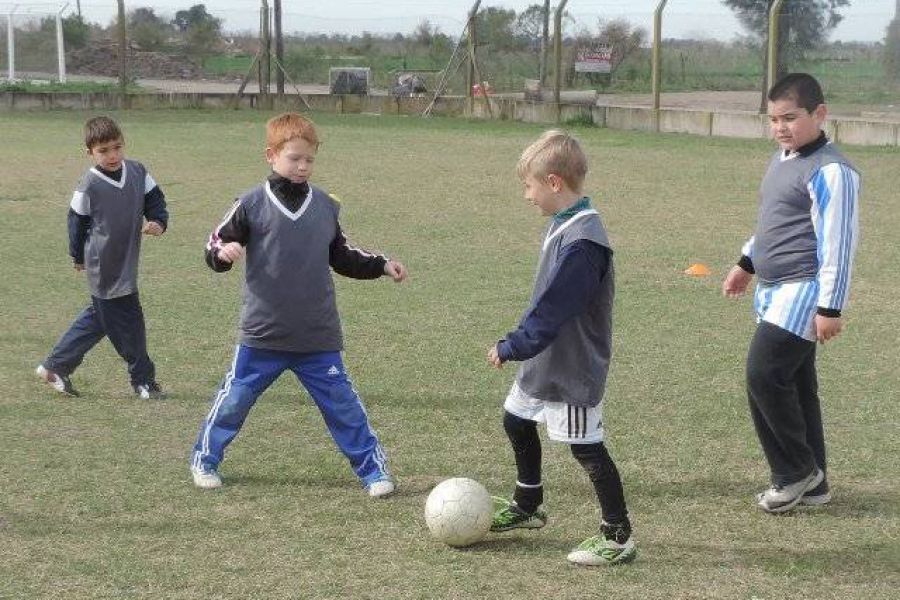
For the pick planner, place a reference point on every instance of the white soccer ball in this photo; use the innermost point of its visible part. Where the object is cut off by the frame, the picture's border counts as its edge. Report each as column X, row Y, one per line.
column 458, row 511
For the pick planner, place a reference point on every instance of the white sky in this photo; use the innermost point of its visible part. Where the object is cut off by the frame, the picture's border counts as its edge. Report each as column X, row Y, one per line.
column 864, row 20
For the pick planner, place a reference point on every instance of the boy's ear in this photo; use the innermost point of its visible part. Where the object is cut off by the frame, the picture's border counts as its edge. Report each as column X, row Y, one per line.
column 820, row 112
column 270, row 155
column 555, row 182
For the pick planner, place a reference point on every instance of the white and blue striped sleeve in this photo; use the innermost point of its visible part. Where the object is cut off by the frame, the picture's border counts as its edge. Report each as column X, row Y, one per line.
column 834, row 190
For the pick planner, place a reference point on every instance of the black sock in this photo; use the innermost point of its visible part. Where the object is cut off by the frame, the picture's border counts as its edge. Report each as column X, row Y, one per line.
column 617, row 532
column 526, row 445
column 528, row 498
column 601, row 470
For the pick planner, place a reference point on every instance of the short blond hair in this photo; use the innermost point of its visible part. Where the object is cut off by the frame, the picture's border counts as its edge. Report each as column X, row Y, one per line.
column 555, row 152
column 288, row 126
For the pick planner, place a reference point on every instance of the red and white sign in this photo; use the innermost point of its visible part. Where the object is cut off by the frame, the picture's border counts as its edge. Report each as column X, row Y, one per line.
column 594, row 60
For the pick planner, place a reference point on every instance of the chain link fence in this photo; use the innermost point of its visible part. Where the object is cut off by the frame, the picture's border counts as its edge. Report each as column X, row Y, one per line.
column 711, row 58
column 34, row 48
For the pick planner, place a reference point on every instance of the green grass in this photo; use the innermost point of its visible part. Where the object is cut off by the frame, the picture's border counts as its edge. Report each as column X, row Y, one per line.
column 227, row 65
column 96, row 500
column 72, row 86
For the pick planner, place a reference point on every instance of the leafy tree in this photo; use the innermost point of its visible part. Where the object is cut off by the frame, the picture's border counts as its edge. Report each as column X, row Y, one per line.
column 529, row 25
column 622, row 37
column 202, row 31
column 76, row 32
column 148, row 30
column 195, row 16
column 495, row 27
column 804, row 24
column 424, row 33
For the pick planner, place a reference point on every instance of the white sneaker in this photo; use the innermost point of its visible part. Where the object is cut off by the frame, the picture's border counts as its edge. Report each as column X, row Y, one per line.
column 381, row 488
column 60, row 383
column 818, row 496
column 596, row 551
column 783, row 498
column 206, row 479
column 816, row 499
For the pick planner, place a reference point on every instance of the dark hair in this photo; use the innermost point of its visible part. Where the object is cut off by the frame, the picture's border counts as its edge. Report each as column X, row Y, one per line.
column 801, row 87
column 99, row 130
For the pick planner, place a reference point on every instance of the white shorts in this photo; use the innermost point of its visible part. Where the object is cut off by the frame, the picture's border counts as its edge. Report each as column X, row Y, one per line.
column 565, row 423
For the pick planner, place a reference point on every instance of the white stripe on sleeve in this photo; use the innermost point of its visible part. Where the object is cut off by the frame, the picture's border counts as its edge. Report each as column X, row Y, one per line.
column 149, row 183
column 834, row 190
column 214, row 241
column 81, row 203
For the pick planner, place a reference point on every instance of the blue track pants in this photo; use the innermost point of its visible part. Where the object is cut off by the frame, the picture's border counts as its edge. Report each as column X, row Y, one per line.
column 253, row 370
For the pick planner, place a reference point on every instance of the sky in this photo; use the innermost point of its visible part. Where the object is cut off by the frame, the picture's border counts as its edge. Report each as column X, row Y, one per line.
column 865, row 20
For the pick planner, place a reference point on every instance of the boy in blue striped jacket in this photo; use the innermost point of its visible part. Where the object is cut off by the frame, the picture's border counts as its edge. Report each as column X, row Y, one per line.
column 802, row 254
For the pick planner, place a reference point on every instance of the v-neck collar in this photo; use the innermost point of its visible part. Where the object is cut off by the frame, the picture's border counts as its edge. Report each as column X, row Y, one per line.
column 120, row 183
column 552, row 233
column 293, row 216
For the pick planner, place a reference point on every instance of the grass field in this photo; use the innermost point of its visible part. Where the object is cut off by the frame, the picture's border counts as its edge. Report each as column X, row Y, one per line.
column 95, row 495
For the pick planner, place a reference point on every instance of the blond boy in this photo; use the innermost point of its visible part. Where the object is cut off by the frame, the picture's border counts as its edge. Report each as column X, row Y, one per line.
column 564, row 344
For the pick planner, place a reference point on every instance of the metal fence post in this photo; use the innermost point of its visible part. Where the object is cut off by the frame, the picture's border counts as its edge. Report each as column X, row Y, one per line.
column 657, row 60
column 557, row 51
column 772, row 71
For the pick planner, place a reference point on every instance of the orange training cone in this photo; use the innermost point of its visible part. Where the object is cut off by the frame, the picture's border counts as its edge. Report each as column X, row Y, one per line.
column 698, row 270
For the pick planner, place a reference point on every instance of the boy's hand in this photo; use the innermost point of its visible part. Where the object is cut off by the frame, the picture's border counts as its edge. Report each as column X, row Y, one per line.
column 153, row 228
column 494, row 357
column 78, row 267
column 827, row 327
column 395, row 270
column 736, row 282
column 231, row 252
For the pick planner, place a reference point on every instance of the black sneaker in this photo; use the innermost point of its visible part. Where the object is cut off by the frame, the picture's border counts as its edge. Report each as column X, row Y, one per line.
column 149, row 391
column 60, row 383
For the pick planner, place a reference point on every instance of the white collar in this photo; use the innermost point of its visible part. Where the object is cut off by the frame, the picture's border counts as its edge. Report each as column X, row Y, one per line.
column 293, row 216
column 120, row 183
column 572, row 219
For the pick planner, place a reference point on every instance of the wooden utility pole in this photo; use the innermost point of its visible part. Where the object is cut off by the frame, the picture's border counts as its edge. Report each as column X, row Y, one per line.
column 773, row 50
column 265, row 42
column 78, row 7
column 545, row 43
column 279, row 48
column 470, row 70
column 123, row 50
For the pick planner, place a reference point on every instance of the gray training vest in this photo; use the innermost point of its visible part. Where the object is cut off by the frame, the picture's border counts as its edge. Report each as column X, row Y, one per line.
column 784, row 246
column 573, row 368
column 288, row 299
column 113, row 245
